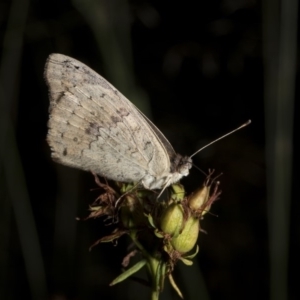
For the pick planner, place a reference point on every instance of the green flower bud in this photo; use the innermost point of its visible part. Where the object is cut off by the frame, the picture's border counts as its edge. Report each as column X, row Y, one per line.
column 198, row 199
column 187, row 239
column 171, row 219
column 178, row 192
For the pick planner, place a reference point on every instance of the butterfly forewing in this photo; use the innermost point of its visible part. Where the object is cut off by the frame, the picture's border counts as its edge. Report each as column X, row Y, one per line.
column 92, row 126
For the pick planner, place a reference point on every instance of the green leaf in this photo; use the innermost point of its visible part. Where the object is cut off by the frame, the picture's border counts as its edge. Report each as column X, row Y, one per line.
column 158, row 234
column 129, row 272
column 193, row 255
column 150, row 220
column 175, row 287
column 186, row 261
column 159, row 276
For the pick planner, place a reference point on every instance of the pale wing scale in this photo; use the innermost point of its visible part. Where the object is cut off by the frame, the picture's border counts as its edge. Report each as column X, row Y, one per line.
column 169, row 148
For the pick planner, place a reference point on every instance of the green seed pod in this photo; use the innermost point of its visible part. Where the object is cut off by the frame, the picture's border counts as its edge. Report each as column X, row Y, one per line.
column 199, row 198
column 171, row 219
column 187, row 239
column 177, row 192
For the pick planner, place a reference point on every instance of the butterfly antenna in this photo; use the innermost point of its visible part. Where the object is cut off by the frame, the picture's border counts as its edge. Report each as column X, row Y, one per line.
column 223, row 136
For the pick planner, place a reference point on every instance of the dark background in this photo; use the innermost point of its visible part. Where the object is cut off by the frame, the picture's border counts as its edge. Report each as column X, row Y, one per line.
column 198, row 69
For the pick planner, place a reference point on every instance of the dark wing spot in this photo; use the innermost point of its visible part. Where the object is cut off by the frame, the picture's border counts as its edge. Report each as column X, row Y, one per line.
column 59, row 97
column 147, row 144
column 93, row 125
column 88, row 131
column 122, row 112
column 116, row 119
column 93, row 129
column 65, row 152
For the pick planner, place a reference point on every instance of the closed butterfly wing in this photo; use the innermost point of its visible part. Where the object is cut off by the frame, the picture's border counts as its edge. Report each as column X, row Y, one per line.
column 92, row 126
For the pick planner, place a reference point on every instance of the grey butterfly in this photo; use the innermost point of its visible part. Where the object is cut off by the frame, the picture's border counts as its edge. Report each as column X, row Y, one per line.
column 93, row 127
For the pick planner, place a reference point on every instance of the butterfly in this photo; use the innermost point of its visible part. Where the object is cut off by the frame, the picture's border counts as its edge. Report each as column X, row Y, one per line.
column 93, row 127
